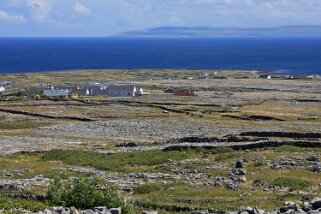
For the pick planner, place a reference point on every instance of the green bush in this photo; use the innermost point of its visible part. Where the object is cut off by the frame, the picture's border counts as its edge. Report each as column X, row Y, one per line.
column 292, row 183
column 146, row 188
column 83, row 193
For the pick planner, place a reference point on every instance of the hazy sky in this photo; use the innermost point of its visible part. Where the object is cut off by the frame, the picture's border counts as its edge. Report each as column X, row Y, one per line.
column 106, row 17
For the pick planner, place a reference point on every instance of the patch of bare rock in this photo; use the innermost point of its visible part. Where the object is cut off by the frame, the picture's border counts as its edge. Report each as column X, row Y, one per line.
column 14, row 145
column 136, row 129
column 298, row 207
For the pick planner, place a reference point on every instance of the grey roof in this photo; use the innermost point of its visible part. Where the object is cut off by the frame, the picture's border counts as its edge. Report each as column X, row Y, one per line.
column 121, row 88
column 89, row 91
column 56, row 92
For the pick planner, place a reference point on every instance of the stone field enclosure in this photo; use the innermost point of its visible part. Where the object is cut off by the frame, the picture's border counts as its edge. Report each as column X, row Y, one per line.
column 243, row 141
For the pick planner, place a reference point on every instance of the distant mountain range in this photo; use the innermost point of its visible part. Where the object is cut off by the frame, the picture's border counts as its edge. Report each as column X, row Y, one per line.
column 194, row 32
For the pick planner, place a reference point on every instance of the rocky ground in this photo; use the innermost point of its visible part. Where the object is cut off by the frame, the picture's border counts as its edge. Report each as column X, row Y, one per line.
column 272, row 125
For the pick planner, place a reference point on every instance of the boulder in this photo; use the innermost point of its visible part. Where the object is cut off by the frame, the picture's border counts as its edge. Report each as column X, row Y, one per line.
column 87, row 212
column 61, row 210
column 115, row 211
column 47, row 211
column 258, row 211
column 314, row 211
column 149, row 212
column 313, row 158
column 300, row 211
column 316, row 168
column 200, row 212
column 239, row 164
column 243, row 212
column 73, row 210
column 239, row 171
column 101, row 210
column 232, row 185
column 316, row 203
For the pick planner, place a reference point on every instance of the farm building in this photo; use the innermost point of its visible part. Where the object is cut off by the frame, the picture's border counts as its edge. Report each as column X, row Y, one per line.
column 169, row 90
column 124, row 91
column 2, row 88
column 62, row 93
column 88, row 91
column 265, row 76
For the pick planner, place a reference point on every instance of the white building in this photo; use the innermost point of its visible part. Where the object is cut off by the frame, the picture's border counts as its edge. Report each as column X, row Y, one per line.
column 122, row 91
column 56, row 92
column 2, row 89
column 125, row 91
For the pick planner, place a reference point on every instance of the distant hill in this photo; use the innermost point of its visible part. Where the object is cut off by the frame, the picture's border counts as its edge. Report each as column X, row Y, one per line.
column 169, row 31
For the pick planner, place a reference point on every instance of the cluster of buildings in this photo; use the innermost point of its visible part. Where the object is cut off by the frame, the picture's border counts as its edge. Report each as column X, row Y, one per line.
column 95, row 89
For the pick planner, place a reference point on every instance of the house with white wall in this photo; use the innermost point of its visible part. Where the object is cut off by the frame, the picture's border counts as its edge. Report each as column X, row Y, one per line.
column 56, row 93
column 2, row 88
column 122, row 91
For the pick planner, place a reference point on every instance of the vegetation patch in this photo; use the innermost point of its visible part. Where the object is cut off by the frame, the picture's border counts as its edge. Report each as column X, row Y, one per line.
column 226, row 156
column 289, row 148
column 21, row 125
column 83, row 193
column 34, row 206
column 259, row 163
column 115, row 162
column 146, row 188
column 293, row 183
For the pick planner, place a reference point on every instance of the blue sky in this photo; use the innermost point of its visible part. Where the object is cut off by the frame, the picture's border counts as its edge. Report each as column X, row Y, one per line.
column 107, row 17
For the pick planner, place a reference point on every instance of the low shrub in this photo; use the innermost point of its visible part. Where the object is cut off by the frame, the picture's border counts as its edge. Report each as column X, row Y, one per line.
column 83, row 193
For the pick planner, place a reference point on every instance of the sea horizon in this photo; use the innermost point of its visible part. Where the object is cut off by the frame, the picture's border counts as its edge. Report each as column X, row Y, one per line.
column 289, row 55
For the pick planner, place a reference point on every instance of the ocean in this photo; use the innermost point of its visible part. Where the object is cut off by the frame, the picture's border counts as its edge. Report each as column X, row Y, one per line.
column 295, row 56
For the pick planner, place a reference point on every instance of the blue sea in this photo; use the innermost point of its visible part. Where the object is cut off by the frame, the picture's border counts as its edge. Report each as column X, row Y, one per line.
column 295, row 56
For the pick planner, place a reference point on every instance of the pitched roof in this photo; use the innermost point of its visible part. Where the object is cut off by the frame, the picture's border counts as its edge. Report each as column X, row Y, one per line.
column 121, row 88
column 89, row 91
column 56, row 92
